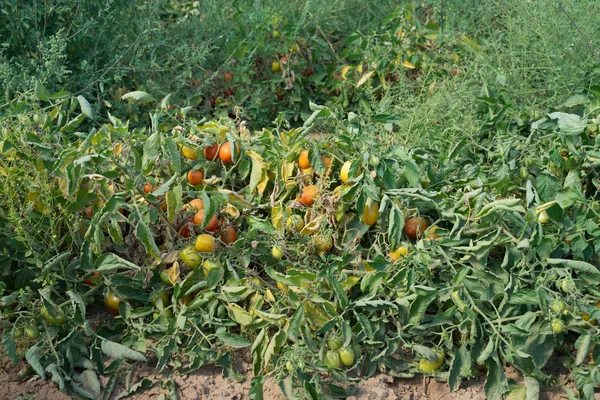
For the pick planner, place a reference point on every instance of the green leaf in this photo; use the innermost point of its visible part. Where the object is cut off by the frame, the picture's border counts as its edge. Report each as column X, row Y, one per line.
column 9, row 345
column 142, row 232
column 461, row 367
column 138, row 96
column 232, row 340
column 112, row 262
column 547, row 186
column 583, row 349
column 118, row 351
column 528, row 297
column 41, row 92
column 314, row 157
column 256, row 388
column 73, row 124
column 293, row 329
column 171, row 152
column 419, row 306
column 395, row 227
column 340, row 294
column 86, row 109
column 496, row 383
column 412, row 172
column 574, row 264
column 151, row 153
column 33, row 358
column 569, row 124
column 90, row 381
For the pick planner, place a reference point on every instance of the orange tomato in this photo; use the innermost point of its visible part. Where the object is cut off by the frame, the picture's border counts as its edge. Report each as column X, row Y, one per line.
column 211, row 152
column 327, row 163
column 195, row 178
column 149, row 188
column 228, row 235
column 371, row 213
column 196, row 205
column 303, row 160
column 309, row 194
column 225, row 153
column 228, row 76
column 92, row 281
column 213, row 224
column 414, row 227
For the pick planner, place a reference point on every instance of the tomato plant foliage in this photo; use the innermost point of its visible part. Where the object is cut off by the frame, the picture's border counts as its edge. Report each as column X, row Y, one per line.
column 480, row 289
column 453, row 260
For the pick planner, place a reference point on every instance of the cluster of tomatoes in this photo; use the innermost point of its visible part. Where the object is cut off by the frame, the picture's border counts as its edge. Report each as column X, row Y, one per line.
column 337, row 355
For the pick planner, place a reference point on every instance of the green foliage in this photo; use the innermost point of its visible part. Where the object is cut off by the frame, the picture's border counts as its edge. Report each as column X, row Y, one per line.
column 441, row 118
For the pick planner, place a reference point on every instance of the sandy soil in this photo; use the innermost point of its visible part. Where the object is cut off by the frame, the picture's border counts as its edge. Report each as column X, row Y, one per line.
column 208, row 383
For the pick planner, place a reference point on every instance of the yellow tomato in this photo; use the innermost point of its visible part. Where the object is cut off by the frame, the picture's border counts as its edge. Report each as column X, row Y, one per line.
column 295, row 222
column 205, row 243
column 324, row 243
column 189, row 153
column 398, row 253
column 190, row 256
column 426, row 365
column 371, row 213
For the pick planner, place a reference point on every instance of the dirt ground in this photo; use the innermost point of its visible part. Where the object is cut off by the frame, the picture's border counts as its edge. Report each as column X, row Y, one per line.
column 208, row 383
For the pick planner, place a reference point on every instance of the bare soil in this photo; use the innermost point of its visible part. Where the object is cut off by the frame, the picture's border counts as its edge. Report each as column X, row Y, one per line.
column 208, row 383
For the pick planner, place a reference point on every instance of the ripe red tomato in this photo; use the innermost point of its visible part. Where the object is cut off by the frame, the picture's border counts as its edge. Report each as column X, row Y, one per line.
column 414, row 227
column 187, row 228
column 225, row 153
column 308, row 72
column 211, row 152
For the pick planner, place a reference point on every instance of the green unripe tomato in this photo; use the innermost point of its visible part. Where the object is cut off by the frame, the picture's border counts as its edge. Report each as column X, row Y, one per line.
column 558, row 306
column 17, row 333
column 543, row 217
column 334, row 343
column 56, row 320
column 374, row 161
column 277, row 252
column 558, row 326
column 289, row 366
column 347, row 356
column 332, row 359
column 164, row 276
column 523, row 173
column 32, row 332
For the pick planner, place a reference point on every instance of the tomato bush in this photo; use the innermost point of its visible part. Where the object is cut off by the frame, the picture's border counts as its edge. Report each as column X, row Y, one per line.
column 313, row 234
